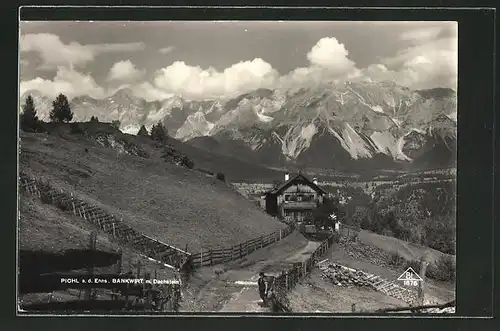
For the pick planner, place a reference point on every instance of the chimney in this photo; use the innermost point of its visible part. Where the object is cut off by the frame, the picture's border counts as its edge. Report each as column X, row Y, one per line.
column 315, row 181
column 287, row 176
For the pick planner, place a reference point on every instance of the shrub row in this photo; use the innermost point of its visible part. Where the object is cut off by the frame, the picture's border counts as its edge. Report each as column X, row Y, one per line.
column 443, row 269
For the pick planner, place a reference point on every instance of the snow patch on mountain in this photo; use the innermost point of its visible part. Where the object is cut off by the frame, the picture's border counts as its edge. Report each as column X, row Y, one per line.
column 357, row 146
column 297, row 139
column 414, row 130
column 196, row 125
column 378, row 109
column 399, row 145
column 130, row 129
column 352, row 142
column 389, row 145
column 397, row 122
column 255, row 142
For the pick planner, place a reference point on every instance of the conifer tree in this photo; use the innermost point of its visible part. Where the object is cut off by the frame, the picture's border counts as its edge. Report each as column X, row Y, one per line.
column 143, row 131
column 158, row 132
column 29, row 119
column 61, row 111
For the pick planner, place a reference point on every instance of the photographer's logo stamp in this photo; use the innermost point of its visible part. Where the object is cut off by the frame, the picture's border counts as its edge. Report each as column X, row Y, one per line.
column 410, row 277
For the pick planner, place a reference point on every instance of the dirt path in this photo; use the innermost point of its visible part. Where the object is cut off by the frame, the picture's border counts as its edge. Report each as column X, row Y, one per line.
column 232, row 287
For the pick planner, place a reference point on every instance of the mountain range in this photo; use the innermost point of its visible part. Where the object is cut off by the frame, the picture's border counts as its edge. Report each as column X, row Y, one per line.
column 339, row 126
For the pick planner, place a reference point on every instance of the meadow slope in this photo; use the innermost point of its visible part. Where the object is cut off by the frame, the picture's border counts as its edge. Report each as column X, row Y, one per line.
column 45, row 228
column 171, row 203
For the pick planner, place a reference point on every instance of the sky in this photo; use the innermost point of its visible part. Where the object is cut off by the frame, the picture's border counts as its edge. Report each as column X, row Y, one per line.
column 222, row 59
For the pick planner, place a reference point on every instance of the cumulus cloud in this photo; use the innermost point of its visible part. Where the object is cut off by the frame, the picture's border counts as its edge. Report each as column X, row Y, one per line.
column 423, row 65
column 124, row 71
column 67, row 81
column 328, row 62
column 149, row 92
column 428, row 62
column 328, row 53
column 166, row 50
column 428, row 58
column 54, row 52
column 195, row 82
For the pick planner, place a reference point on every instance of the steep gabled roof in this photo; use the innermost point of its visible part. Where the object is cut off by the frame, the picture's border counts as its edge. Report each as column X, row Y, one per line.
column 283, row 186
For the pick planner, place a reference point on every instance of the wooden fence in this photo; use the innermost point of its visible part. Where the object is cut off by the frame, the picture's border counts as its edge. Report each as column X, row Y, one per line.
column 287, row 279
column 216, row 256
column 117, row 230
column 348, row 231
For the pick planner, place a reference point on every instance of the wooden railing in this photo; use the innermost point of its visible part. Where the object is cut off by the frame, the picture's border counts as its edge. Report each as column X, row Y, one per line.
column 299, row 204
column 216, row 256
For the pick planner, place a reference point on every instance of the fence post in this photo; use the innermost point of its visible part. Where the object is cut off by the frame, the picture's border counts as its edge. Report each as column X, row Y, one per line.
column 201, row 257
column 421, row 295
column 114, row 231
column 261, row 241
column 73, row 203
column 286, row 279
column 241, row 251
column 119, row 265
column 211, row 257
column 280, row 234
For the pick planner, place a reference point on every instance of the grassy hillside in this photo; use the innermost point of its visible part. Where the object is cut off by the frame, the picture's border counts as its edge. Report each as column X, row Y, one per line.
column 168, row 202
column 45, row 228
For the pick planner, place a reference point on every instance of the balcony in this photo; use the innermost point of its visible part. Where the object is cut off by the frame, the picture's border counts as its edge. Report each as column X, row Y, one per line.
column 299, row 204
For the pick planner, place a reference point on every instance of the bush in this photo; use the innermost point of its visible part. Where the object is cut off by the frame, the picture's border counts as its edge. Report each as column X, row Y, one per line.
column 396, row 260
column 115, row 124
column 322, row 214
column 94, row 119
column 439, row 233
column 187, row 162
column 443, row 269
column 220, row 176
column 61, row 111
column 414, row 264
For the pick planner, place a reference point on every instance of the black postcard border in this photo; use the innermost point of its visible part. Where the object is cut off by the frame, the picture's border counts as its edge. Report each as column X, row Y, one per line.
column 475, row 230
